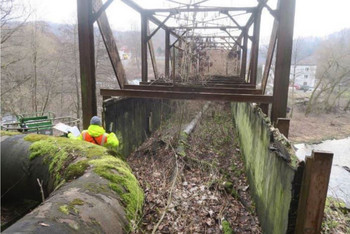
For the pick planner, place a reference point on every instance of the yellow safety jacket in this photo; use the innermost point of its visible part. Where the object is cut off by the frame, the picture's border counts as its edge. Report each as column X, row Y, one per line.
column 97, row 135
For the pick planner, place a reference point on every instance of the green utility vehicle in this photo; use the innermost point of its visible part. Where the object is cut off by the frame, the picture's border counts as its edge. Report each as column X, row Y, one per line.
column 41, row 124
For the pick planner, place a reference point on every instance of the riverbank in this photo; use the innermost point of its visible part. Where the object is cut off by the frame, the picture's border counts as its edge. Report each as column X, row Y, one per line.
column 318, row 127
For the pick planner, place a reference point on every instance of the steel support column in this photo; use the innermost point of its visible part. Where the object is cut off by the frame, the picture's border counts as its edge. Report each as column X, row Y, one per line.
column 244, row 56
column 255, row 48
column 283, row 59
column 167, row 52
column 144, row 64
column 87, row 60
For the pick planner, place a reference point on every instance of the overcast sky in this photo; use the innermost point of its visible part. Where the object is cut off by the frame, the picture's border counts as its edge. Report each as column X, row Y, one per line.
column 313, row 17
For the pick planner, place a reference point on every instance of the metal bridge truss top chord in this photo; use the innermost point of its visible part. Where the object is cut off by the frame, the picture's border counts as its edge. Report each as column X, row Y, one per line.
column 234, row 29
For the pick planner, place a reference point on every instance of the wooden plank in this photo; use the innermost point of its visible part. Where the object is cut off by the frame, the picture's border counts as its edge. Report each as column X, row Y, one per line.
column 194, row 89
column 167, row 53
column 111, row 46
column 269, row 56
column 87, row 60
column 313, row 192
column 283, row 59
column 283, row 126
column 153, row 57
column 144, row 63
column 187, row 95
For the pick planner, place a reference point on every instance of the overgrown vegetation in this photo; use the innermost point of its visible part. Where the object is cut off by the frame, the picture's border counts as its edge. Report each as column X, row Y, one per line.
column 336, row 217
column 198, row 191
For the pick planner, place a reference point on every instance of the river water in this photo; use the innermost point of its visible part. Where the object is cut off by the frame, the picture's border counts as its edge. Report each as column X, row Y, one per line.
column 339, row 184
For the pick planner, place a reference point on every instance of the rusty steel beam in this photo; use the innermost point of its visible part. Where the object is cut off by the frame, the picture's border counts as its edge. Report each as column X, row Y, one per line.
column 203, row 27
column 233, row 20
column 244, row 57
column 269, row 56
column 206, row 9
column 194, row 89
column 144, row 63
column 111, row 45
column 255, row 47
column 153, row 19
column 235, row 85
column 101, row 9
column 233, row 38
column 187, row 95
column 283, row 59
column 177, row 39
column 153, row 57
column 210, row 37
column 173, row 65
column 159, row 26
column 167, row 53
column 313, row 194
column 87, row 60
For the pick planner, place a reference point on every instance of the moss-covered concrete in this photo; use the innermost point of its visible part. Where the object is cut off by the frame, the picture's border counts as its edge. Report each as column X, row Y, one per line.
column 67, row 160
column 271, row 167
column 134, row 119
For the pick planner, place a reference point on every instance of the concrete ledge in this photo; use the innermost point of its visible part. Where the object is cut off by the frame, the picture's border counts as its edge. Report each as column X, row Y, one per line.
column 134, row 119
column 272, row 168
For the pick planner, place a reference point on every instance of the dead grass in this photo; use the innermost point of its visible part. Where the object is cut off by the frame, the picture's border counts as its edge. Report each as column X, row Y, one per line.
column 318, row 127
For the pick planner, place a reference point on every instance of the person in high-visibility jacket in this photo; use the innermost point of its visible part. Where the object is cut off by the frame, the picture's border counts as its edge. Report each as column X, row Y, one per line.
column 97, row 135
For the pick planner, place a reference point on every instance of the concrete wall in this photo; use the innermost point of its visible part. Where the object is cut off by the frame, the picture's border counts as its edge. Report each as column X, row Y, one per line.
column 272, row 169
column 133, row 119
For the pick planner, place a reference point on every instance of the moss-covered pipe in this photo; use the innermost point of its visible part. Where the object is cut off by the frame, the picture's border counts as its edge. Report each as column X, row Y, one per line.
column 94, row 191
column 19, row 173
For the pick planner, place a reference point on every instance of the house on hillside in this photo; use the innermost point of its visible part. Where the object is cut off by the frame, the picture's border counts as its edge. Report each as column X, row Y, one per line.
column 303, row 75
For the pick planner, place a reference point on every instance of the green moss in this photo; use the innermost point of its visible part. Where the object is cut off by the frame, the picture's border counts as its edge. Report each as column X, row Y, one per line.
column 70, row 208
column 64, row 209
column 34, row 137
column 8, row 133
column 59, row 153
column 76, row 170
column 77, row 202
column 226, row 228
column 122, row 181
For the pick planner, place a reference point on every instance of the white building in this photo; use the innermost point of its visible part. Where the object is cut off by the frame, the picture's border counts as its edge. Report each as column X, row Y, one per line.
column 304, row 75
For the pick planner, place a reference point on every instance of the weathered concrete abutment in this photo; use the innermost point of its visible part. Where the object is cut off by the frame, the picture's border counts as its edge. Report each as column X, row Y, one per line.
column 134, row 119
column 273, row 171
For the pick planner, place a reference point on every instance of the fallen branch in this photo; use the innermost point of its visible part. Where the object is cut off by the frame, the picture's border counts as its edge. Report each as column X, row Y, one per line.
column 41, row 189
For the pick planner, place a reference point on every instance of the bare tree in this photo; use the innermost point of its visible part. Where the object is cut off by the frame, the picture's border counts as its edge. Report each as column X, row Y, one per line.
column 14, row 14
column 333, row 74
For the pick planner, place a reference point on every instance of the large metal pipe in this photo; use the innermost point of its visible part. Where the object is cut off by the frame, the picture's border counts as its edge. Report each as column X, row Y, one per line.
column 19, row 174
column 90, row 202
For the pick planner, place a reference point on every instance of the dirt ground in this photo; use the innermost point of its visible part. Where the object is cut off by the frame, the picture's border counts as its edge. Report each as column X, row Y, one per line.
column 205, row 191
column 318, row 127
